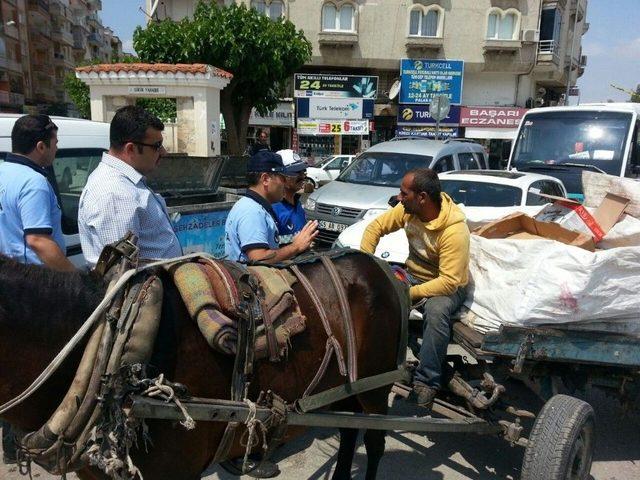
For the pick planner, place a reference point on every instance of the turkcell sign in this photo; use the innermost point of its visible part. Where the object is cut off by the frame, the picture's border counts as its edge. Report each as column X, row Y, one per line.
column 335, row 108
column 335, row 86
column 421, row 80
column 419, row 115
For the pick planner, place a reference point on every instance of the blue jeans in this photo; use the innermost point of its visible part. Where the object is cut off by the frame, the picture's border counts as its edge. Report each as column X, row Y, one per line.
column 436, row 318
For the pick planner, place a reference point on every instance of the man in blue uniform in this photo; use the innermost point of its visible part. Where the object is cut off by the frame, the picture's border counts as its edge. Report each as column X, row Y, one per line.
column 289, row 211
column 251, row 232
column 30, row 215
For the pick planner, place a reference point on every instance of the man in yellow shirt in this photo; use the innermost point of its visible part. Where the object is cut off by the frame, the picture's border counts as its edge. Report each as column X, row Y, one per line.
column 438, row 265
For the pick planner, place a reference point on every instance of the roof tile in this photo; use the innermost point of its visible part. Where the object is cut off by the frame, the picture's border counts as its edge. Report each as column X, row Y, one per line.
column 192, row 68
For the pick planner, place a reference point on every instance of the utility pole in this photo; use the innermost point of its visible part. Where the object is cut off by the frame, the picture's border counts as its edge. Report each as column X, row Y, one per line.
column 573, row 42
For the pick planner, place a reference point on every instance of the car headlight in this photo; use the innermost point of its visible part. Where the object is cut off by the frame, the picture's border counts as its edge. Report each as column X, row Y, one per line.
column 372, row 213
column 310, row 204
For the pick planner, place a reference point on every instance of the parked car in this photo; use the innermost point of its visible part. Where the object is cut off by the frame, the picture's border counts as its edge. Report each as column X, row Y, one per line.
column 376, row 174
column 80, row 147
column 328, row 169
column 484, row 196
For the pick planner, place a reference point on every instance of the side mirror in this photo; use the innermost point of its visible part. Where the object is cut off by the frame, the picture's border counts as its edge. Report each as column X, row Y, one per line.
column 308, row 187
column 393, row 201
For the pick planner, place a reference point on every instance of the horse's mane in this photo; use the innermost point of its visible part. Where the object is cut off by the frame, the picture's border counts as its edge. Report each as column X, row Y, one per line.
column 37, row 290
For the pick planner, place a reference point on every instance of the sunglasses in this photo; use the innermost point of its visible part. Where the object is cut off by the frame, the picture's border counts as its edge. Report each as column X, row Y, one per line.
column 156, row 146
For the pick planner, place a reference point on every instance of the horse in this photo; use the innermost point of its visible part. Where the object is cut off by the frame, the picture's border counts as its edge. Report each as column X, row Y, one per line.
column 40, row 310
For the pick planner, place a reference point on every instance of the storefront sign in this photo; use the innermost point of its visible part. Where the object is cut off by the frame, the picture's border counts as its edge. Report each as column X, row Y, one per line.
column 427, row 132
column 419, row 115
column 335, row 86
column 282, row 116
column 335, row 108
column 420, row 80
column 322, row 127
column 491, row 117
column 147, row 90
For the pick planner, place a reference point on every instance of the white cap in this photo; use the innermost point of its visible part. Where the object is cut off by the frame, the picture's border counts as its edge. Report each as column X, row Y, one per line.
column 293, row 164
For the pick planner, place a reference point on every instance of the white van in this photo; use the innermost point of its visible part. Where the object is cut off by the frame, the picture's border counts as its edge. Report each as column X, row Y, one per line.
column 80, row 147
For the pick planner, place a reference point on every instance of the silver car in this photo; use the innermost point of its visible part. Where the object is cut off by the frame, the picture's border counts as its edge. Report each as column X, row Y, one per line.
column 375, row 176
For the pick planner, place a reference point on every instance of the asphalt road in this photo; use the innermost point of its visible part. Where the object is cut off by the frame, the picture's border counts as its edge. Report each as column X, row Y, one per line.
column 443, row 456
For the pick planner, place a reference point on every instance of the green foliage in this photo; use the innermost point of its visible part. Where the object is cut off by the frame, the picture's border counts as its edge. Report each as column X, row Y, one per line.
column 262, row 54
column 79, row 93
column 635, row 97
column 163, row 108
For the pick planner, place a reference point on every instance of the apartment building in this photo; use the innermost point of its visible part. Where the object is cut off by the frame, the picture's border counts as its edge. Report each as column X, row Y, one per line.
column 517, row 53
column 41, row 41
column 14, row 55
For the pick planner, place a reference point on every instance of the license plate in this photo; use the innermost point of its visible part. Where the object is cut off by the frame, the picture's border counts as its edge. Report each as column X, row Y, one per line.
column 331, row 226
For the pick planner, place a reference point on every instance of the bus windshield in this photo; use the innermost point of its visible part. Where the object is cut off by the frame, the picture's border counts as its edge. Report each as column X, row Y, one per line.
column 567, row 140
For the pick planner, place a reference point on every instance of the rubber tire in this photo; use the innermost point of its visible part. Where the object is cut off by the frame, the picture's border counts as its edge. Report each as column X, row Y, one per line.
column 564, row 424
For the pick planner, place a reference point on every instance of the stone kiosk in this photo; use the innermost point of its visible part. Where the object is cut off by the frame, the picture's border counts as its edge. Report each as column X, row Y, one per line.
column 196, row 88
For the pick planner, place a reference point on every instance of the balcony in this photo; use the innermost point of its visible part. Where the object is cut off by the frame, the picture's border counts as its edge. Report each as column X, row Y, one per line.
column 338, row 39
column 578, row 7
column 549, row 51
column 62, row 36
column 39, row 6
column 11, row 99
column 94, row 5
column 61, row 60
column 93, row 18
column 12, row 31
column 10, row 64
column 424, row 43
column 501, row 46
column 95, row 39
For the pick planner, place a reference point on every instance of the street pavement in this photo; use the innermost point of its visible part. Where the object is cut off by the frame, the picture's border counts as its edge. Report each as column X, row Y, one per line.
column 443, row 456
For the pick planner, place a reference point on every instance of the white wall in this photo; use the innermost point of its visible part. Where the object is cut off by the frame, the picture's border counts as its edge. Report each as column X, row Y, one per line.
column 488, row 89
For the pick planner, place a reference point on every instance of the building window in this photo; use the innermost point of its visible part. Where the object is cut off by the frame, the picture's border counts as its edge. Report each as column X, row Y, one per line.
column 503, row 24
column 273, row 9
column 426, row 21
column 336, row 19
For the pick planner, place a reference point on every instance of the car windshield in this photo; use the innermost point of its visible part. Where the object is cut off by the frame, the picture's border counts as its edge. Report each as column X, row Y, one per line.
column 382, row 168
column 481, row 194
column 565, row 140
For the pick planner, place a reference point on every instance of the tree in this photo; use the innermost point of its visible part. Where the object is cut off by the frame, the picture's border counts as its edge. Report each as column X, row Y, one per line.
column 262, row 54
column 635, row 96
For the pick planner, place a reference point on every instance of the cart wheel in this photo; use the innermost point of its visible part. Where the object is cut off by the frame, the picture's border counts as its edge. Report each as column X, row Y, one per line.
column 561, row 441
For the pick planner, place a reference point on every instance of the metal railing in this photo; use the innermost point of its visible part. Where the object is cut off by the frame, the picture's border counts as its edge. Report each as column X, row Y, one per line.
column 549, row 47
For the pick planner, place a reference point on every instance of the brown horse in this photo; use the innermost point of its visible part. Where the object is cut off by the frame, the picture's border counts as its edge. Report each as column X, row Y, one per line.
column 40, row 310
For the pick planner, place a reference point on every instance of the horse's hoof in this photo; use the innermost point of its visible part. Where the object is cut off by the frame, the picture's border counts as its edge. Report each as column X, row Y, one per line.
column 266, row 470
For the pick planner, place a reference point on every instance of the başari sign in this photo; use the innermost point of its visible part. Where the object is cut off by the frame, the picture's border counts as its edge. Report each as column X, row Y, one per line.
column 491, row 117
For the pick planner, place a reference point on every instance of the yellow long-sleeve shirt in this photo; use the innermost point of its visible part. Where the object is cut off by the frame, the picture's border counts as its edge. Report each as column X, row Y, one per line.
column 438, row 250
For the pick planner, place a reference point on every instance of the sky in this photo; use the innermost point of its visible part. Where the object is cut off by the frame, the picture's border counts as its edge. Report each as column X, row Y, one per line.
column 612, row 43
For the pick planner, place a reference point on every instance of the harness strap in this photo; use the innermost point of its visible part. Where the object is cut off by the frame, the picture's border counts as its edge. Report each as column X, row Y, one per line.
column 272, row 341
column 352, row 359
column 332, row 340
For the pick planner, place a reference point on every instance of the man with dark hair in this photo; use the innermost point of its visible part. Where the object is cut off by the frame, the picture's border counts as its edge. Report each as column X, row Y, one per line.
column 438, row 265
column 30, row 215
column 261, row 143
column 251, row 231
column 116, row 198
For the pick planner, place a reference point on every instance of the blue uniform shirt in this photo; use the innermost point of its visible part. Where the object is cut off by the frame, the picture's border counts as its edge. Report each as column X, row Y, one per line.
column 251, row 224
column 28, row 205
column 291, row 218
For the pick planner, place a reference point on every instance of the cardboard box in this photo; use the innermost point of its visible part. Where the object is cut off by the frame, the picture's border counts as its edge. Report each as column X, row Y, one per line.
column 574, row 216
column 521, row 226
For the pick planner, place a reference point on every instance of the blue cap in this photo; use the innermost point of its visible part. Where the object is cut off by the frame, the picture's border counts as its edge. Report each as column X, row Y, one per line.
column 269, row 162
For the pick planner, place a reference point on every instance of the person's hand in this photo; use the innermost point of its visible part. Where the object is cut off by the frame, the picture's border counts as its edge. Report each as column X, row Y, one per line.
column 305, row 237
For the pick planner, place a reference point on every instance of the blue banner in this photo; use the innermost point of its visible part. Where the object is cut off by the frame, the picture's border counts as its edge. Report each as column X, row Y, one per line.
column 427, row 132
column 421, row 80
column 419, row 115
column 202, row 231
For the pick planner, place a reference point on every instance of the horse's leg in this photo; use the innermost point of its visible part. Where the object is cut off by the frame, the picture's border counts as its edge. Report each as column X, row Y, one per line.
column 374, row 443
column 347, row 449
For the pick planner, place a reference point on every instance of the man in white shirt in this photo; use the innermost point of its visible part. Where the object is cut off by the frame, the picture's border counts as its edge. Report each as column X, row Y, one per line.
column 116, row 198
